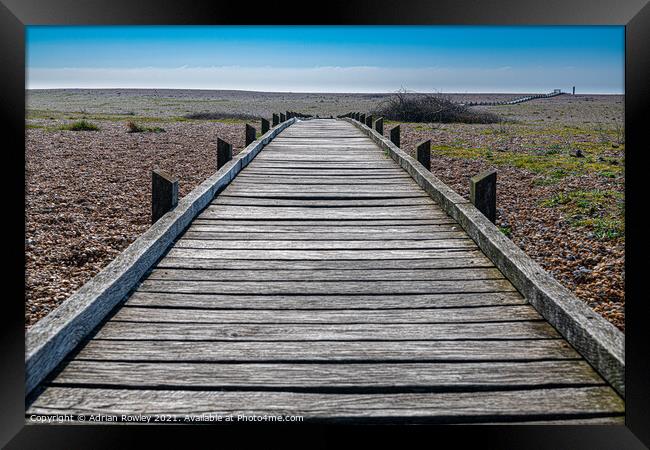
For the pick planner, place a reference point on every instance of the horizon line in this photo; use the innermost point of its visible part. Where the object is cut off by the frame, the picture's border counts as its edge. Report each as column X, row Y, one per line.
column 306, row 92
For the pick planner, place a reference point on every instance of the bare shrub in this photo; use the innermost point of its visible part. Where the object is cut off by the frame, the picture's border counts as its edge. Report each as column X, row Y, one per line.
column 406, row 106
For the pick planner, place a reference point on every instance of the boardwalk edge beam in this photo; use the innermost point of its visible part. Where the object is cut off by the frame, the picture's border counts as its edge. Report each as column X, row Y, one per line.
column 51, row 339
column 597, row 340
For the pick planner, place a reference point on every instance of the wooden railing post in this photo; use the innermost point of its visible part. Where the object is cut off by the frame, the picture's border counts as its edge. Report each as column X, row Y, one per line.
column 424, row 154
column 224, row 153
column 369, row 121
column 282, row 117
column 483, row 193
column 265, row 125
column 250, row 134
column 379, row 125
column 288, row 115
column 362, row 118
column 276, row 119
column 394, row 135
column 164, row 194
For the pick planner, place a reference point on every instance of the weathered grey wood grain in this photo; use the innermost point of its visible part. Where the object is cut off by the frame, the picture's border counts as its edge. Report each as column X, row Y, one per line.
column 317, row 377
column 197, row 232
column 316, row 194
column 333, row 224
column 398, row 230
column 322, row 254
column 444, row 407
column 600, row 342
column 349, row 202
column 438, row 315
column 325, row 178
column 326, row 213
column 186, row 242
column 320, row 332
column 54, row 336
column 164, row 194
column 324, row 302
column 320, row 171
column 338, row 351
column 280, row 273
column 324, row 264
column 325, row 287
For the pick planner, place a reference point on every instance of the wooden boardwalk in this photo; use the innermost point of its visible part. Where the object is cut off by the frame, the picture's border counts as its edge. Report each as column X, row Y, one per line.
column 324, row 282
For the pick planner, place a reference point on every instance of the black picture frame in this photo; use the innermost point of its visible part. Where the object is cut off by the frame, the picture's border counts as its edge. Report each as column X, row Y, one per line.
column 633, row 14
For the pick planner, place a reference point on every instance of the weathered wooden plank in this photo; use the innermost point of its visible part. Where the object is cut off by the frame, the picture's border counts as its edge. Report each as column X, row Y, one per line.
column 321, row 332
column 438, row 315
column 334, row 377
column 324, row 264
column 324, row 179
column 53, row 337
column 322, row 254
column 319, row 165
column 198, row 232
column 442, row 407
column 225, row 228
column 185, row 242
column 325, row 287
column 349, row 202
column 279, row 273
column 292, row 213
column 332, row 224
column 322, row 195
column 338, row 351
column 278, row 171
column 207, row 301
column 360, row 190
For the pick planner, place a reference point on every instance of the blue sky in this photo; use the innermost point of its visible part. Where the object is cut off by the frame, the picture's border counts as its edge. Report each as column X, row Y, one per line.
column 329, row 59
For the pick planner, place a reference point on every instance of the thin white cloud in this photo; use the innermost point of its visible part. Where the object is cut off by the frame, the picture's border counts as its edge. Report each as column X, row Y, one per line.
column 333, row 79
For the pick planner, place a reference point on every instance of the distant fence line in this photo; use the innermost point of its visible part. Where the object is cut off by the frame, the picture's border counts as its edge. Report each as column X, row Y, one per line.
column 517, row 100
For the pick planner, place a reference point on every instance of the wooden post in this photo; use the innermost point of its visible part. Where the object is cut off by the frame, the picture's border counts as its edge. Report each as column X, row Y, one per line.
column 288, row 115
column 362, row 118
column 369, row 121
column 250, row 134
column 282, row 117
column 379, row 125
column 265, row 125
column 424, row 154
column 276, row 119
column 394, row 135
column 164, row 194
column 224, row 153
column 483, row 193
column 574, row 90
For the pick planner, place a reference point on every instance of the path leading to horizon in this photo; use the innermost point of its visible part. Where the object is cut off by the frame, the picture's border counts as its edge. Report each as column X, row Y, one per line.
column 324, row 282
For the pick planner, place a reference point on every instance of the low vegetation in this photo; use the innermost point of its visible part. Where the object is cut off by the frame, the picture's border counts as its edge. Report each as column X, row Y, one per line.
column 133, row 127
column 602, row 211
column 81, row 125
column 430, row 108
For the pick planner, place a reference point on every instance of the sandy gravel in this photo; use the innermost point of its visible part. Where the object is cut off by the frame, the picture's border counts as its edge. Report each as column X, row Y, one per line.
column 88, row 196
